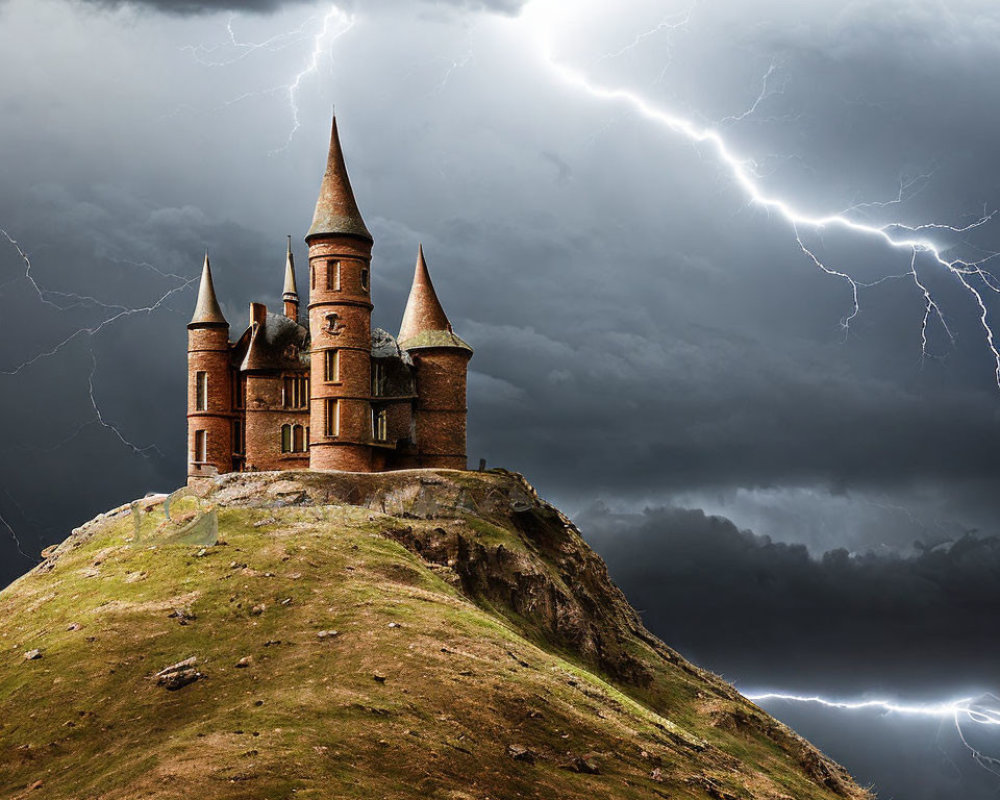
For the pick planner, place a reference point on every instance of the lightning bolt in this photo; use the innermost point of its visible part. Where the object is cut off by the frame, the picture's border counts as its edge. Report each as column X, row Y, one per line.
column 14, row 537
column 204, row 54
column 984, row 711
column 119, row 312
column 671, row 23
column 752, row 109
column 336, row 24
column 972, row 276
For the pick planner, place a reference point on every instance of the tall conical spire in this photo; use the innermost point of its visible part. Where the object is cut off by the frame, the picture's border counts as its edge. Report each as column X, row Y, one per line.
column 207, row 312
column 290, row 294
column 423, row 313
column 290, row 288
column 336, row 209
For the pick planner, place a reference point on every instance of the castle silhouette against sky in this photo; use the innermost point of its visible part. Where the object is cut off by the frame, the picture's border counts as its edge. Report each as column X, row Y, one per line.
column 331, row 393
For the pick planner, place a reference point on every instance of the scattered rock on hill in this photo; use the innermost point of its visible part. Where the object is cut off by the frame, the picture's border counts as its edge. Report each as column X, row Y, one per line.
column 178, row 675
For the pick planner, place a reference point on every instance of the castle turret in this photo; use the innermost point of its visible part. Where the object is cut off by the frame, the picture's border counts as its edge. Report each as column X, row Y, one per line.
column 441, row 361
column 210, row 444
column 290, row 293
column 340, row 308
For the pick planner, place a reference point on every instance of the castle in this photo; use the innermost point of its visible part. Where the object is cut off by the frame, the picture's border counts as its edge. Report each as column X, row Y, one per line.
column 327, row 392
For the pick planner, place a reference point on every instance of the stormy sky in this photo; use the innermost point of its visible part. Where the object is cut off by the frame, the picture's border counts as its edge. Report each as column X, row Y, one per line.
column 797, row 504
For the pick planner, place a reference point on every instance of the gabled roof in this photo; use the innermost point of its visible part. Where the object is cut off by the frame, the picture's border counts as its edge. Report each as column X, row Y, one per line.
column 276, row 344
column 424, row 322
column 336, row 209
column 207, row 313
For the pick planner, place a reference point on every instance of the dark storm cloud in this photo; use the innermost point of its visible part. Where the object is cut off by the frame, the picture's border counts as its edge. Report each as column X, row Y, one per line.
column 769, row 616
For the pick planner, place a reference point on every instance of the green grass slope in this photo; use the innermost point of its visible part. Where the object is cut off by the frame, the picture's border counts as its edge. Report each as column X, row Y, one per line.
column 422, row 634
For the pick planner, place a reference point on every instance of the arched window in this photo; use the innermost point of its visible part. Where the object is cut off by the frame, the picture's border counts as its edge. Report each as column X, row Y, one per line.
column 286, row 438
column 298, row 439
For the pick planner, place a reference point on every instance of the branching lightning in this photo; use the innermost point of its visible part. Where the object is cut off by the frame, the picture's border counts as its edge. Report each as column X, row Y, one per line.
column 117, row 313
column 752, row 108
column 972, row 276
column 984, row 711
column 139, row 451
column 120, row 312
column 671, row 23
column 336, row 23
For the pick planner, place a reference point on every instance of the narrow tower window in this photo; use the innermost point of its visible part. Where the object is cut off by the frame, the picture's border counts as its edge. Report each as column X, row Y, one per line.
column 331, row 371
column 312, row 276
column 378, row 379
column 200, row 447
column 364, row 279
column 201, row 391
column 379, row 424
column 332, row 418
column 333, row 275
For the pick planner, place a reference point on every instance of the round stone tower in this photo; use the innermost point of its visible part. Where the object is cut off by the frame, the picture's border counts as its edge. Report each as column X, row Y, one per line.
column 441, row 362
column 340, row 308
column 210, row 445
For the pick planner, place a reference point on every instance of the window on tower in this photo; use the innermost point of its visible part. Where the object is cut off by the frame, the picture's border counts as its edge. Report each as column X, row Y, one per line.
column 364, row 279
column 200, row 446
column 332, row 420
column 331, row 367
column 201, row 391
column 380, row 424
column 333, row 275
column 378, row 379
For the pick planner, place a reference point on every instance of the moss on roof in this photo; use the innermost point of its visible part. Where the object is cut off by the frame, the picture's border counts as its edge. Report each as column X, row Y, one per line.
column 428, row 339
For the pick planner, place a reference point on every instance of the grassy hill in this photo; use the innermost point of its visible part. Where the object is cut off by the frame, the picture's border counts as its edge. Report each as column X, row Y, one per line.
column 422, row 634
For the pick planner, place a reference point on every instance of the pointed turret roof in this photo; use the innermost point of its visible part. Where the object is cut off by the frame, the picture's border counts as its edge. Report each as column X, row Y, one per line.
column 336, row 209
column 290, row 288
column 207, row 312
column 424, row 322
